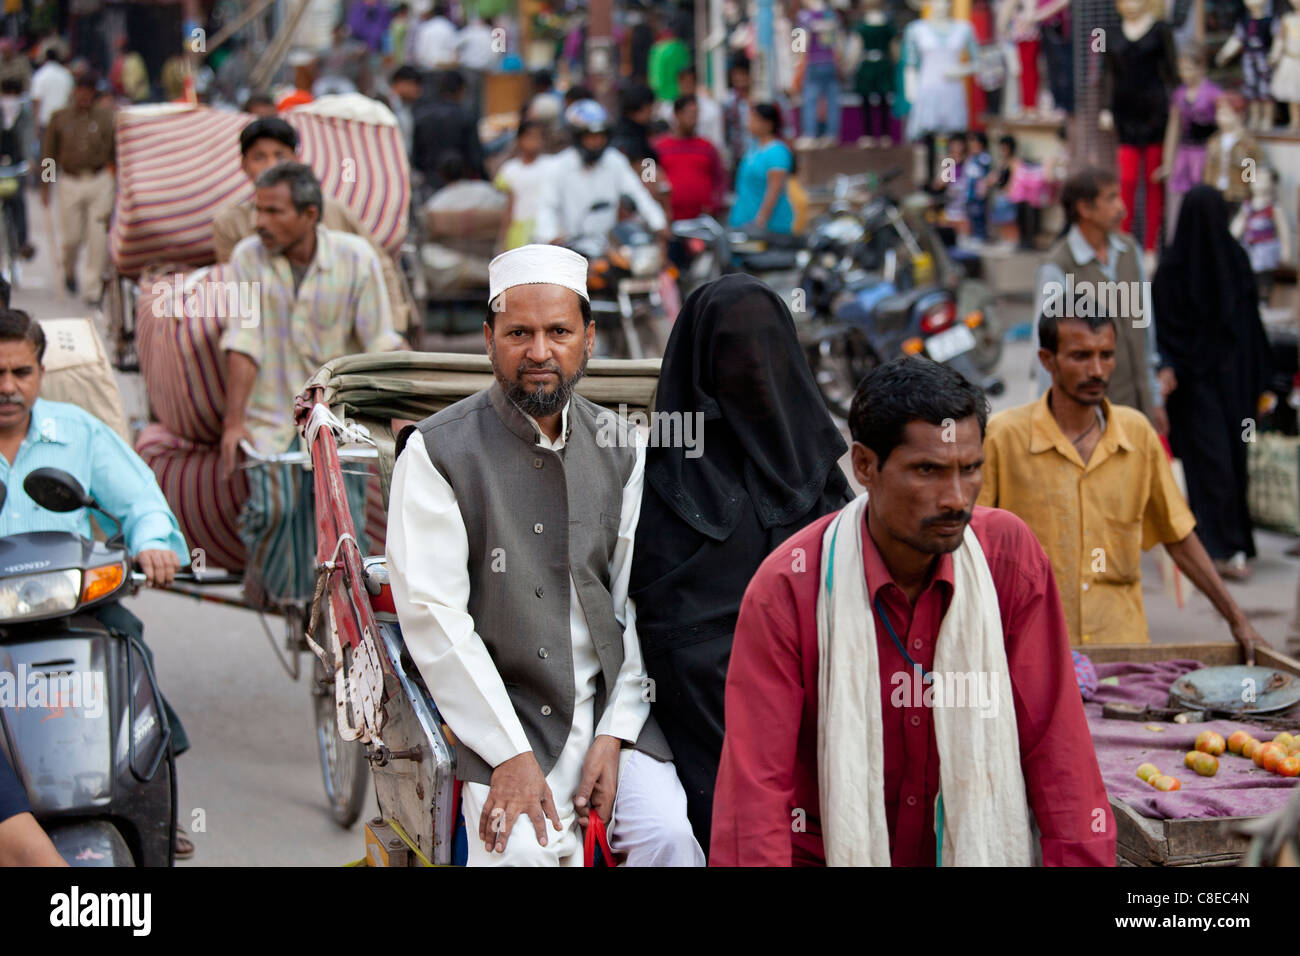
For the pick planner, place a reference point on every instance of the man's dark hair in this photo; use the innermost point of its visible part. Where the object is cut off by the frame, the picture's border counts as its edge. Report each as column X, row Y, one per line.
column 450, row 167
column 527, row 125
column 304, row 187
column 1049, row 334
column 406, row 72
column 53, row 54
column 448, row 84
column 982, row 138
column 739, row 62
column 88, row 79
column 542, row 80
column 681, row 103
column 267, row 127
column 687, row 71
column 1009, row 142
column 575, row 93
column 258, row 99
column 635, row 98
column 1084, row 186
column 16, row 325
column 908, row 389
column 583, row 304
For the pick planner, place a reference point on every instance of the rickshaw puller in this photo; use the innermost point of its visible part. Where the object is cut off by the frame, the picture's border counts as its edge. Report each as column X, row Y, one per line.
column 510, row 532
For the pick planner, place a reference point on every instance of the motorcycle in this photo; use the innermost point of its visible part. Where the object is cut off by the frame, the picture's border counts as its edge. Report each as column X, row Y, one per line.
column 623, row 282
column 86, row 731
column 876, row 289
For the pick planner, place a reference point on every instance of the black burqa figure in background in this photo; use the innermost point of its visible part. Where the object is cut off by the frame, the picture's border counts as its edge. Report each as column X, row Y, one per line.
column 768, row 467
column 1209, row 331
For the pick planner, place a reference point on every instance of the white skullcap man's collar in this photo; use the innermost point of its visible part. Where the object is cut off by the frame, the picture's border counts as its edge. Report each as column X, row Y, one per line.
column 537, row 264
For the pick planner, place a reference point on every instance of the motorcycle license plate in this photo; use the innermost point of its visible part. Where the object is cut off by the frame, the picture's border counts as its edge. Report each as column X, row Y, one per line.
column 950, row 343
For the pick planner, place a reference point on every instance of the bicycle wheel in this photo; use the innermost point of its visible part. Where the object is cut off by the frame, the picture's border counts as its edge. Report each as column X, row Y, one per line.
column 344, row 768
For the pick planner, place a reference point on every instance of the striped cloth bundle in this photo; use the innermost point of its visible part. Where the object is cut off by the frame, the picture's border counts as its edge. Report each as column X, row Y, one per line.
column 184, row 374
column 206, row 506
column 178, row 166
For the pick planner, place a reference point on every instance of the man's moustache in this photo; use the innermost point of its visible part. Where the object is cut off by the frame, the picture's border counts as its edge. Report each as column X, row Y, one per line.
column 12, row 400
column 951, row 518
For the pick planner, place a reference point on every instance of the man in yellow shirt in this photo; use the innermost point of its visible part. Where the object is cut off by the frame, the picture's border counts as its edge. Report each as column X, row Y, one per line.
column 1092, row 481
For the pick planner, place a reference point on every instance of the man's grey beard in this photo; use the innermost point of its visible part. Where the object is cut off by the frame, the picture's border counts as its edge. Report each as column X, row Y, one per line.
column 541, row 402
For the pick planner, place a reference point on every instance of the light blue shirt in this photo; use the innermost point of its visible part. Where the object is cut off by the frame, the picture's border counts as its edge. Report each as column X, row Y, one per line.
column 65, row 437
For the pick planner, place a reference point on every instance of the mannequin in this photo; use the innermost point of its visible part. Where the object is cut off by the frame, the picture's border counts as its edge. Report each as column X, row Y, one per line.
column 821, row 82
column 1285, row 58
column 1262, row 229
column 1053, row 18
column 1228, row 150
column 1017, row 25
column 933, row 71
column 1253, row 38
column 1191, row 124
column 1139, row 69
column 873, row 48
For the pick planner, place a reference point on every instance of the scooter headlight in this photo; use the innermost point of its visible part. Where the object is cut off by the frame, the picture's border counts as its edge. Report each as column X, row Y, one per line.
column 38, row 595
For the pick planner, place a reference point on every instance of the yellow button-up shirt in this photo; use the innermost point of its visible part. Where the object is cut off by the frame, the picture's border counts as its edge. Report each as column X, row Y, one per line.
column 1093, row 520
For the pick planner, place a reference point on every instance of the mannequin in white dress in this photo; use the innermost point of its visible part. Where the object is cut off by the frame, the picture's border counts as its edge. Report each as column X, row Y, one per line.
column 938, row 54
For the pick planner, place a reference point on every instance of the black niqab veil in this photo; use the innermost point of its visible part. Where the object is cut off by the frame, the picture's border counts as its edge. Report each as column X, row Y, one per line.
column 734, row 356
column 1204, row 294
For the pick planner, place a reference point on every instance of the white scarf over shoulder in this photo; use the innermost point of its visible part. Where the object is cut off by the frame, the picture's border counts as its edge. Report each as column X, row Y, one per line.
column 985, row 820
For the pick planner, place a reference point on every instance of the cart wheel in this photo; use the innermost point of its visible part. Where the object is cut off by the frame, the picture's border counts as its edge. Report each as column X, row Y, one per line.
column 343, row 764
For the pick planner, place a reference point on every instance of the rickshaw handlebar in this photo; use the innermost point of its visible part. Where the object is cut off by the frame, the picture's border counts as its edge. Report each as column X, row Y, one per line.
column 254, row 458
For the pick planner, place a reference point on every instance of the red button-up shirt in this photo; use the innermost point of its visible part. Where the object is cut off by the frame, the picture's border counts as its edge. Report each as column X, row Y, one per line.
column 766, row 810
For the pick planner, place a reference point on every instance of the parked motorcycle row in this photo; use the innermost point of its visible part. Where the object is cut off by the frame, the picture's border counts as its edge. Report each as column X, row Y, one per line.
column 870, row 280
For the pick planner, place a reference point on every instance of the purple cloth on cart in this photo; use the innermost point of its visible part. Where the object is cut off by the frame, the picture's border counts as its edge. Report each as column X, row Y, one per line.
column 1238, row 789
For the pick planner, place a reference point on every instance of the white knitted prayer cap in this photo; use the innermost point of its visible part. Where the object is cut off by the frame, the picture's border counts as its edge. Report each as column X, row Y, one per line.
column 534, row 264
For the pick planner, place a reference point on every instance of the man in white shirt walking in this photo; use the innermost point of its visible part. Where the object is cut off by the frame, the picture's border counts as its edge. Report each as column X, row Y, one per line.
column 434, row 45
column 511, row 522
column 52, row 85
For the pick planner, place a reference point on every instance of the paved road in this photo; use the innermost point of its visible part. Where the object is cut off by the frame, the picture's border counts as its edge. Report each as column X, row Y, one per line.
column 253, row 769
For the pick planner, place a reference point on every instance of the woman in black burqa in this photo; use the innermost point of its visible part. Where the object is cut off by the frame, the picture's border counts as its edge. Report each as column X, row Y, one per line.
column 1209, row 331
column 769, row 466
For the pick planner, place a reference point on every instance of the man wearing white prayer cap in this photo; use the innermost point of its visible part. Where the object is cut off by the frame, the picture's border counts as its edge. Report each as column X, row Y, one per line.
column 510, row 535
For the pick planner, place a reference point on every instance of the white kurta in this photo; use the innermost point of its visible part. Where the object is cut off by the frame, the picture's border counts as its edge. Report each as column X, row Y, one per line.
column 428, row 554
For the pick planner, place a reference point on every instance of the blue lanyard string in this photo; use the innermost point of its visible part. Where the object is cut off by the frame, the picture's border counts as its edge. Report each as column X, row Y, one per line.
column 897, row 643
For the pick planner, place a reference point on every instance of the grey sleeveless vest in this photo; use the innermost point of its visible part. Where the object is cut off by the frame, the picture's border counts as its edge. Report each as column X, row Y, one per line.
column 533, row 518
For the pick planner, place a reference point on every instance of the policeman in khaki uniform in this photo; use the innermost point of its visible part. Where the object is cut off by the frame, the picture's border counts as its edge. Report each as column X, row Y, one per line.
column 79, row 140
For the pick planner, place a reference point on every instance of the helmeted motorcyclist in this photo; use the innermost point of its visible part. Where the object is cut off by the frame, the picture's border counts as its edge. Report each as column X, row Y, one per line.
column 586, row 182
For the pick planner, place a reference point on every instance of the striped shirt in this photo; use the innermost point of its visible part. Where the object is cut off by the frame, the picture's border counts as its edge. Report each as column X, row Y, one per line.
column 340, row 308
column 65, row 437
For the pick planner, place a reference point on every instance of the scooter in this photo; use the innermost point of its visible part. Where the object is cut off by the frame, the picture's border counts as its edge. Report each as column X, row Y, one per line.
column 82, row 722
column 623, row 280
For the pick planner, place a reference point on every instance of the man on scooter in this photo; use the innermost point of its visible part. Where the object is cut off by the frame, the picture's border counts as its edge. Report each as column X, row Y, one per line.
column 581, row 196
column 36, row 433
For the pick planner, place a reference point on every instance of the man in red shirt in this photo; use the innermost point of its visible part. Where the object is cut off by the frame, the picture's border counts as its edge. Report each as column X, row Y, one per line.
column 918, row 448
column 691, row 163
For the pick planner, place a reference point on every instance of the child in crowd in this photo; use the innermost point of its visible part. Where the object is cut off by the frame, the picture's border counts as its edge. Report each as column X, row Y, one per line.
column 949, row 186
column 521, row 178
column 975, row 173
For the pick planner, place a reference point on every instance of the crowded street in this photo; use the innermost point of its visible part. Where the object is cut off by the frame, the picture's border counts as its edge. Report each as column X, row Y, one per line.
column 650, row 433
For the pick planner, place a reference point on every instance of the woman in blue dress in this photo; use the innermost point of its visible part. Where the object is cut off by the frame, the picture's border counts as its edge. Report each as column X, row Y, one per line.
column 761, row 203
